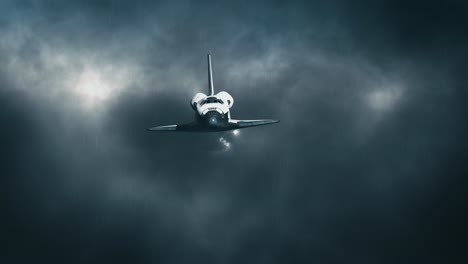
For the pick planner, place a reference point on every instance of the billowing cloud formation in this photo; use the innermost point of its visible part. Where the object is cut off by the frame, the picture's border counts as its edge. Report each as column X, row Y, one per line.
column 367, row 164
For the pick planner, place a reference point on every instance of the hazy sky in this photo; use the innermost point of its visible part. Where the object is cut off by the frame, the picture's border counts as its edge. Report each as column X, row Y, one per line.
column 366, row 166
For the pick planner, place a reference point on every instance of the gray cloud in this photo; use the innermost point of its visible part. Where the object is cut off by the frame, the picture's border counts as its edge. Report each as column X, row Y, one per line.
column 365, row 166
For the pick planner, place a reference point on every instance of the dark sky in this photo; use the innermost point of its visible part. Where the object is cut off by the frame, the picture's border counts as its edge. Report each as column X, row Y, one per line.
column 366, row 166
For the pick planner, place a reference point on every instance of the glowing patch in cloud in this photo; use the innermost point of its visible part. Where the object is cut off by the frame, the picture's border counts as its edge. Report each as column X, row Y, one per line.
column 93, row 87
column 384, row 98
column 96, row 85
column 264, row 67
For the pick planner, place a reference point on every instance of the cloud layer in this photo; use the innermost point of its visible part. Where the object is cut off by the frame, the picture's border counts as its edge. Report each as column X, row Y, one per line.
column 366, row 166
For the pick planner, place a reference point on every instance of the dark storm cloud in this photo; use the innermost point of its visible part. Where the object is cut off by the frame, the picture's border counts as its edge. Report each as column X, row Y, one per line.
column 365, row 166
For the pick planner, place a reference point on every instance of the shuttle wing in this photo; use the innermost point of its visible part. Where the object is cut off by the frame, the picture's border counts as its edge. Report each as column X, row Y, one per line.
column 196, row 127
column 251, row 123
column 188, row 127
column 193, row 126
column 163, row 128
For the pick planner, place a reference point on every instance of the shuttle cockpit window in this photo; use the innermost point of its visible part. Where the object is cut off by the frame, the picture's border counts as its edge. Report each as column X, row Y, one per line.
column 211, row 100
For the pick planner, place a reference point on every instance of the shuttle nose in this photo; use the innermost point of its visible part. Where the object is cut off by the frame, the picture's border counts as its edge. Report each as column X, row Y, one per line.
column 213, row 118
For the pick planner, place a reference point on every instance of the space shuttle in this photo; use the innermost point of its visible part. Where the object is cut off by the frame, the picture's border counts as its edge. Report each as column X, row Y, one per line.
column 212, row 112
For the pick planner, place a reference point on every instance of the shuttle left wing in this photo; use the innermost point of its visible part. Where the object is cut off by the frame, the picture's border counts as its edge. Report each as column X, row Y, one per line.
column 251, row 123
column 183, row 127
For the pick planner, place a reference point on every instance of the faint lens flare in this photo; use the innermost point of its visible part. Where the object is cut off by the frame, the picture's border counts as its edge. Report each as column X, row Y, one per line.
column 225, row 144
column 226, row 140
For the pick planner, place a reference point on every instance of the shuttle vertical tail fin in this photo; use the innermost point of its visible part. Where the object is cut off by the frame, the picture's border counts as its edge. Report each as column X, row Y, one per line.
column 210, row 76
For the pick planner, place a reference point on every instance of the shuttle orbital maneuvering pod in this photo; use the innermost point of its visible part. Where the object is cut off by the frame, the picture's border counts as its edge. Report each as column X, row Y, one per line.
column 212, row 113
